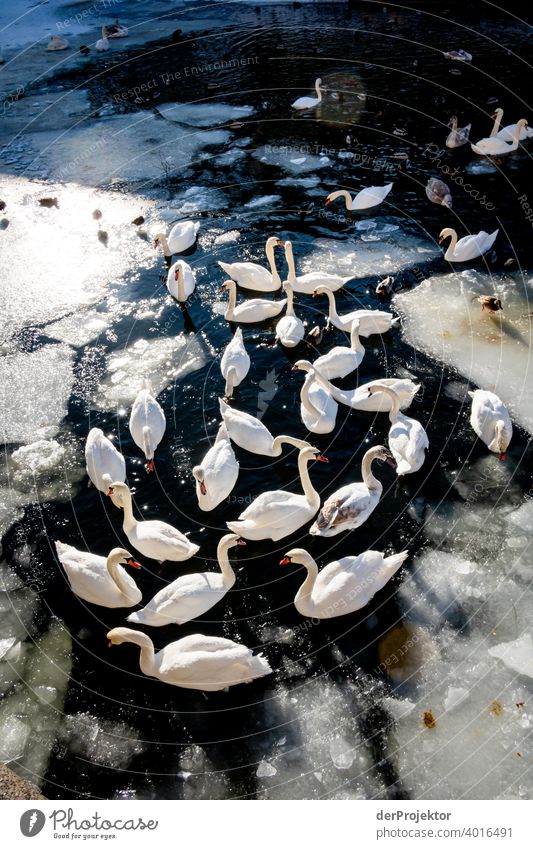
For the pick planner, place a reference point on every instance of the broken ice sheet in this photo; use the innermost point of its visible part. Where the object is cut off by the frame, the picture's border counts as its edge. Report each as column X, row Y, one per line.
column 204, row 114
column 289, row 161
column 516, row 655
column 100, row 741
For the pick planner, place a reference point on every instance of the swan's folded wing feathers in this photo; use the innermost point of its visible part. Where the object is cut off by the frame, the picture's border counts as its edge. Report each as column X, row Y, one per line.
column 148, row 528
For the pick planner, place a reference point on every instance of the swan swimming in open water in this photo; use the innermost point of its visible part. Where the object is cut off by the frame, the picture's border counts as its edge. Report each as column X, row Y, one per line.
column 365, row 199
column 309, row 102
column 251, row 275
column 467, row 248
column 100, row 580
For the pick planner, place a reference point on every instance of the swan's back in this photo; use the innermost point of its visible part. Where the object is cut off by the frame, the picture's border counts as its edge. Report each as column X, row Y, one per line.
column 102, row 458
column 209, row 663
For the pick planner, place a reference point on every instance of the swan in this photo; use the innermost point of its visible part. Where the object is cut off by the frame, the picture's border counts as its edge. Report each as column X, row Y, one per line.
column 408, row 441
column 100, row 580
column 306, row 284
column 181, row 282
column 147, row 424
column 251, row 275
column 496, row 145
column 351, row 505
column 343, row 586
column 290, row 329
column 438, row 192
column 195, row 662
column 104, row 463
column 341, row 360
column 491, row 421
column 278, row 513
column 217, row 473
column 507, row 133
column 235, row 363
column 57, row 42
column 370, row 321
column 359, row 399
column 467, row 248
column 252, row 310
column 318, row 410
column 458, row 136
column 189, row 596
column 365, row 199
column 152, row 538
column 309, row 102
column 181, row 237
column 249, row 433
column 102, row 44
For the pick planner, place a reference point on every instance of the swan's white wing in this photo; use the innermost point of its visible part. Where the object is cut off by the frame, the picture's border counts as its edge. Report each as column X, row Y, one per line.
column 154, row 529
column 347, row 505
column 272, row 508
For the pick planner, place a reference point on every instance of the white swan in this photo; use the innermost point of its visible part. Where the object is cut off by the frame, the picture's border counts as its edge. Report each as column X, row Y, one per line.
column 365, row 199
column 370, row 321
column 276, row 514
column 181, row 237
column 249, row 433
column 496, row 145
column 467, row 248
column 318, row 410
column 147, row 424
column 181, row 281
column 189, row 596
column 341, row 360
column 306, row 284
column 309, row 102
column 251, row 275
column 104, row 463
column 235, row 363
column 195, row 662
column 491, row 421
column 290, row 329
column 351, row 505
column 343, row 586
column 102, row 44
column 458, row 135
column 152, row 538
column 507, row 133
column 252, row 310
column 100, row 580
column 217, row 473
column 408, row 441
column 359, row 399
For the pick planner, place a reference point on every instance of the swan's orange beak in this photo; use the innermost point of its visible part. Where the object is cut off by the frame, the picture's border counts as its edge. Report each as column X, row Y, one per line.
column 150, row 466
column 441, row 239
column 203, row 488
column 328, row 201
column 294, row 368
column 110, row 645
column 177, row 274
column 110, row 491
column 156, row 243
column 280, row 244
column 133, row 563
column 501, row 456
column 285, row 561
column 494, row 115
column 241, row 541
column 321, row 458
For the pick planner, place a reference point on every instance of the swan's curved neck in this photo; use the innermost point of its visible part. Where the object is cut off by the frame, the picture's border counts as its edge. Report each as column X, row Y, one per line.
column 451, row 247
column 336, row 393
column 269, row 250
column 306, row 588
column 147, row 442
column 129, row 519
column 232, row 288
column 223, row 561
column 366, row 470
column 117, row 576
column 147, row 659
column 181, row 287
column 318, row 91
column 497, row 122
column 516, row 136
column 332, row 304
column 304, row 397
column 395, row 401
column 230, row 382
column 355, row 342
column 164, row 245
column 278, row 441
column 289, row 256
column 342, row 193
column 310, row 492
column 290, row 300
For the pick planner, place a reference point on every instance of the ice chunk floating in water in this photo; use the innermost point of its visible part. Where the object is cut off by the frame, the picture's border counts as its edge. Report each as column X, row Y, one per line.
column 204, row 114
column 517, row 655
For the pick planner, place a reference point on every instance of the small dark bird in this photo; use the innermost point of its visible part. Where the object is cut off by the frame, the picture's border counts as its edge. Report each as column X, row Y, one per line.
column 491, row 302
column 314, row 336
column 49, row 202
column 103, row 237
column 4, row 223
column 384, row 287
column 84, row 50
column 2, row 205
column 142, row 234
column 438, row 192
column 97, row 214
column 138, row 221
column 509, row 262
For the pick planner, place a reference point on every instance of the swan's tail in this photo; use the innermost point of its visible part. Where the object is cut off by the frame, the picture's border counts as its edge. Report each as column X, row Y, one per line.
column 139, row 617
column 393, row 563
column 260, row 666
column 226, row 266
column 240, row 527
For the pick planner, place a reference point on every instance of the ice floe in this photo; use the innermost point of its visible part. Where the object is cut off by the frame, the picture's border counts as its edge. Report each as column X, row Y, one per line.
column 204, row 114
column 290, row 160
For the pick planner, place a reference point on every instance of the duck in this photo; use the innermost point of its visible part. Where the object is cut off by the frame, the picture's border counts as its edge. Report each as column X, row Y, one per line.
column 251, row 275
column 104, row 463
column 310, row 102
column 318, row 410
column 384, row 289
column 190, row 596
column 497, row 145
column 195, row 662
column 290, row 329
column 351, row 505
column 276, row 514
column 359, row 399
column 490, row 420
column 57, row 42
column 217, row 473
column 365, row 199
column 102, row 44
column 251, row 311
column 116, row 30
column 181, row 281
column 467, row 248
column 152, row 538
column 458, row 136
column 341, row 360
column 370, row 321
column 100, row 580
column 306, row 284
column 344, row 585
column 235, row 363
column 507, row 133
column 181, row 237
column 249, row 433
column 491, row 302
column 408, row 441
column 438, row 192
column 315, row 335
column 147, row 424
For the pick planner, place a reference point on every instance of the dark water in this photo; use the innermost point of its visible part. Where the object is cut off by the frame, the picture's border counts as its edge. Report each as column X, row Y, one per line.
column 354, row 49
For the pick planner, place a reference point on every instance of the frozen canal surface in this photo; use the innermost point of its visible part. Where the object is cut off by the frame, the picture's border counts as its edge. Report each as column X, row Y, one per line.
column 427, row 692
